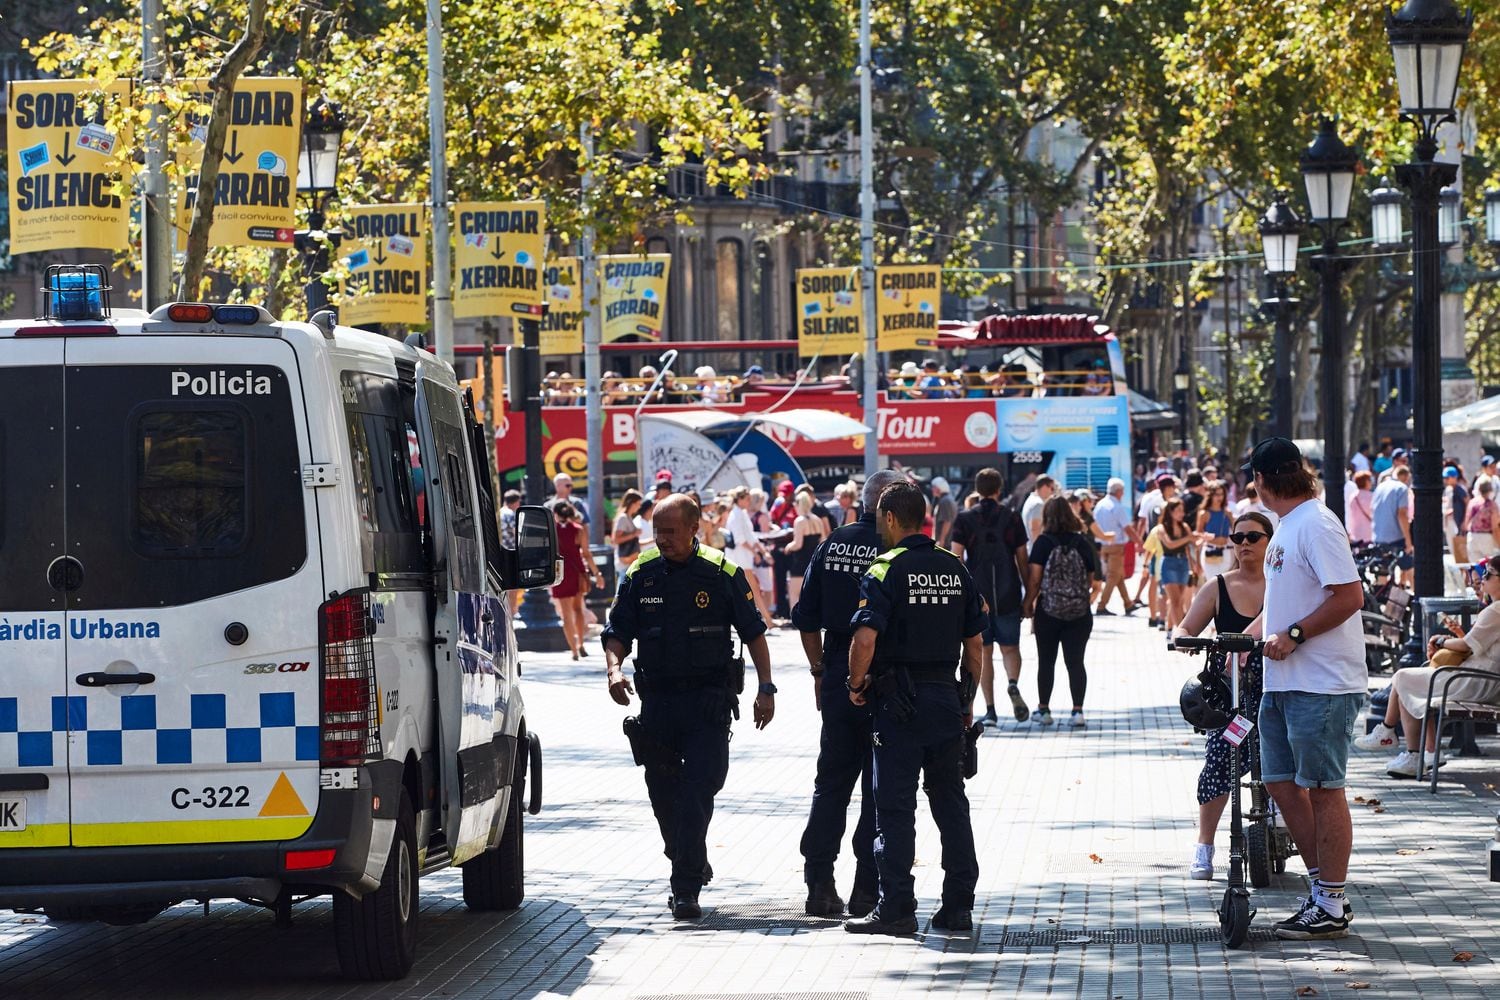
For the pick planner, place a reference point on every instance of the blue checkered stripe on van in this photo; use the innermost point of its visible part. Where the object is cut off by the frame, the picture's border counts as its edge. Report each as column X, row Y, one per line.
column 134, row 729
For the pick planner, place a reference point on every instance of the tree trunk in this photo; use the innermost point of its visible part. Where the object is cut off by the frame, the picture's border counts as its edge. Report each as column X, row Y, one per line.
column 221, row 86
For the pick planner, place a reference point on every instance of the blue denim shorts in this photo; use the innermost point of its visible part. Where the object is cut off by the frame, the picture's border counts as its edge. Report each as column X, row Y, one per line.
column 1305, row 737
column 1003, row 630
column 1175, row 570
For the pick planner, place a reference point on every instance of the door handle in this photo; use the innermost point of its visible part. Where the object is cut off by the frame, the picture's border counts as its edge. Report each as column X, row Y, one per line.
column 101, row 679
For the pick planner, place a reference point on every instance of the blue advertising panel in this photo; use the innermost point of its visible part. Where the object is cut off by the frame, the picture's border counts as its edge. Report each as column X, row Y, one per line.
column 1089, row 436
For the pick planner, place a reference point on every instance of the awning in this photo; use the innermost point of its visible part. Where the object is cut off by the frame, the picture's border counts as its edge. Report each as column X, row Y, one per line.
column 1481, row 416
column 814, row 425
column 1147, row 414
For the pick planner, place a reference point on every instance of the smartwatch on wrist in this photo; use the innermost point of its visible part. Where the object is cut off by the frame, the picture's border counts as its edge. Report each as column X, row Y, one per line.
column 1296, row 634
column 767, row 687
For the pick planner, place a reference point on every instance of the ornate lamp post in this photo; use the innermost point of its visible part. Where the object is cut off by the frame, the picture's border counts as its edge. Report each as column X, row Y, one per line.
column 1427, row 43
column 1280, row 230
column 317, row 178
column 1328, row 173
column 1182, row 380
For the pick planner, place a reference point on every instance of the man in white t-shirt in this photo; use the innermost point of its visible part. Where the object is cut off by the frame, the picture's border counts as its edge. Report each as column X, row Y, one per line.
column 1315, row 680
column 1031, row 510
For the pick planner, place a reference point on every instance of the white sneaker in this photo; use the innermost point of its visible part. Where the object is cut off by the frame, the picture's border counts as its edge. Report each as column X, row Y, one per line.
column 1403, row 765
column 1202, row 867
column 1382, row 737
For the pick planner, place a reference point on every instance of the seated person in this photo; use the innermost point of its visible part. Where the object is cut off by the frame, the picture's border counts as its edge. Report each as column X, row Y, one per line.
column 1014, row 381
column 934, row 382
column 1409, row 685
column 1098, row 381
column 974, row 386
column 904, row 385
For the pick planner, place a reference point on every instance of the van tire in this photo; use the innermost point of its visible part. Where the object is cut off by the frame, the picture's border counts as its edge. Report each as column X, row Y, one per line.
column 496, row 880
column 376, row 936
column 67, row 913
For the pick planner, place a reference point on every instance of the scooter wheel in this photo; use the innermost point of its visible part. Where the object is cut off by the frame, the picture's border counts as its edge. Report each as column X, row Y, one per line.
column 1234, row 918
column 1258, row 855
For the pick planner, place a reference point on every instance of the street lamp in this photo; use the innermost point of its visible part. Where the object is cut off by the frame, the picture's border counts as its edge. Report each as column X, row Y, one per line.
column 1450, row 217
column 1386, row 229
column 1328, row 172
column 1280, row 230
column 1182, row 379
column 317, row 178
column 1492, row 217
column 1427, row 40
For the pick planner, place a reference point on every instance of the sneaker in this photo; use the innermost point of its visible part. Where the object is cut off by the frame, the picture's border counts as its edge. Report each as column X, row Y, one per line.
column 1104, row 613
column 1202, row 867
column 1309, row 901
column 1017, row 705
column 989, row 719
column 1042, row 717
column 1153, row 622
column 1313, row 923
column 1403, row 765
column 1076, row 720
column 1382, row 737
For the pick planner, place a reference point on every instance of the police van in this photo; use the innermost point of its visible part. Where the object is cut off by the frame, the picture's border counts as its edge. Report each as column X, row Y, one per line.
column 253, row 640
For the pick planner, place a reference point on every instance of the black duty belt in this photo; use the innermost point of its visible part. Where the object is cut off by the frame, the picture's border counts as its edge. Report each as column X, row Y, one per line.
column 836, row 640
column 928, row 671
column 650, row 682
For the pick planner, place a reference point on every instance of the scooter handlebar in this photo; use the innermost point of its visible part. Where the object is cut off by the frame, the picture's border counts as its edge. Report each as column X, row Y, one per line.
column 1224, row 642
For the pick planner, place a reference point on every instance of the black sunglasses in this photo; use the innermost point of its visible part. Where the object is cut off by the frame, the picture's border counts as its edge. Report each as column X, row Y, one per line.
column 1241, row 537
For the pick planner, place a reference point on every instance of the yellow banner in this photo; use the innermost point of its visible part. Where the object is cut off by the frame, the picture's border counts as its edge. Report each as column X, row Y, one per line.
column 385, row 250
column 66, row 190
column 828, row 312
column 634, row 289
column 562, row 327
column 501, row 248
column 908, row 302
column 255, row 198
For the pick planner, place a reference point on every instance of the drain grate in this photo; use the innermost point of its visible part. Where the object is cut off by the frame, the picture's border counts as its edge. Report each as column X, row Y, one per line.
column 759, row 916
column 1052, row 937
column 752, row 996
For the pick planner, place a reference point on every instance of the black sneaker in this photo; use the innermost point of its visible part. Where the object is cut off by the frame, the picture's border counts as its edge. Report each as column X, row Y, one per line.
column 989, row 719
column 1017, row 704
column 1313, row 923
column 874, row 923
column 1308, row 901
column 952, row 920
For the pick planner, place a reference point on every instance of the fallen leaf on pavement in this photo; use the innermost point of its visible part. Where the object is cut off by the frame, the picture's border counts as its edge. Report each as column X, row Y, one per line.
column 1463, row 956
column 1372, row 802
column 1307, row 991
column 1341, row 968
column 1360, row 799
column 1357, row 985
column 1096, row 859
column 1378, row 809
column 1406, row 851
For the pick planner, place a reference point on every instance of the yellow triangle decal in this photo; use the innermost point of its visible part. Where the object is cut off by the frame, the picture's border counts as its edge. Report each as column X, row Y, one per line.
column 283, row 800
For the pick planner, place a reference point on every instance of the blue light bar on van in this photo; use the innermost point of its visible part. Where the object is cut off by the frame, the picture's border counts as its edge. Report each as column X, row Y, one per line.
column 237, row 315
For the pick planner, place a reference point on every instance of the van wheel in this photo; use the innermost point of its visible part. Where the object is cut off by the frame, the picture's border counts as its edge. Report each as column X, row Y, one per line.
column 377, row 935
column 68, row 914
column 496, row 880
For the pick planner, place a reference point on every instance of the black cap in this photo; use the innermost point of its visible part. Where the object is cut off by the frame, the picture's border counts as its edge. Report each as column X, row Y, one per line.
column 1272, row 456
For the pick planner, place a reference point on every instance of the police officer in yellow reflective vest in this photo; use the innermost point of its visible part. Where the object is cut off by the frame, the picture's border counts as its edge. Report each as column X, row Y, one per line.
column 920, row 619
column 679, row 602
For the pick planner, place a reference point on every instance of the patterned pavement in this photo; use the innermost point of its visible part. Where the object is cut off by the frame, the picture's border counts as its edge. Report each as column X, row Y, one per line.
column 1083, row 839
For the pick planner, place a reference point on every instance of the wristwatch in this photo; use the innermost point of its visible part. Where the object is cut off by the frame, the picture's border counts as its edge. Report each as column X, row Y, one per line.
column 1296, row 634
column 767, row 687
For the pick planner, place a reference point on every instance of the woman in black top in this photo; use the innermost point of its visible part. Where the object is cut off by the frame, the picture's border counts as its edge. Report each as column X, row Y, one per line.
column 1064, row 564
column 1233, row 604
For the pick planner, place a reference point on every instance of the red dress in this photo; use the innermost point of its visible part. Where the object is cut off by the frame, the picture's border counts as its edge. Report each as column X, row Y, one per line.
column 569, row 535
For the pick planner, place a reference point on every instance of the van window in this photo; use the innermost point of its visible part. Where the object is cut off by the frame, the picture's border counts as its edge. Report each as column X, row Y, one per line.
column 31, row 483
column 466, row 567
column 172, row 500
column 385, row 494
column 190, row 490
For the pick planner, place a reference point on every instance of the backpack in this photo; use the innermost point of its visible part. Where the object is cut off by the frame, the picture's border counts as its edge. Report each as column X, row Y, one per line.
column 987, row 557
column 1065, row 583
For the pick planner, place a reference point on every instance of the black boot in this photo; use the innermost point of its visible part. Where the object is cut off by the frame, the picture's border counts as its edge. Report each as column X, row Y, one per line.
column 951, row 918
column 874, row 923
column 685, row 907
column 862, row 898
column 823, row 900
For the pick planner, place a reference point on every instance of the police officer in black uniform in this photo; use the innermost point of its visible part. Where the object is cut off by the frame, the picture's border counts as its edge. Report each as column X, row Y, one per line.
column 830, row 594
column 919, row 617
column 679, row 601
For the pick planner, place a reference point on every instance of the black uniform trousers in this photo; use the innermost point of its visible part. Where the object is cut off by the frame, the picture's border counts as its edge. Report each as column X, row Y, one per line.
column 931, row 743
column 843, row 759
column 692, row 725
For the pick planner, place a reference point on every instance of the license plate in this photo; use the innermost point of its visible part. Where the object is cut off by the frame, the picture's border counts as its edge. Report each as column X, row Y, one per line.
column 12, row 815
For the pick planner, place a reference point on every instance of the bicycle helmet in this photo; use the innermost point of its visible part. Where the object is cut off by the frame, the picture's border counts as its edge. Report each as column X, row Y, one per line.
column 1202, row 699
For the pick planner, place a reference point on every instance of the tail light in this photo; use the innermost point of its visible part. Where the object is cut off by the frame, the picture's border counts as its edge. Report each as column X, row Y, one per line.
column 351, row 720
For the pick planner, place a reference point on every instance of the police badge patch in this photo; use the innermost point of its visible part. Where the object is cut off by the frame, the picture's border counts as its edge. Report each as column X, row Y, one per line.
column 702, row 599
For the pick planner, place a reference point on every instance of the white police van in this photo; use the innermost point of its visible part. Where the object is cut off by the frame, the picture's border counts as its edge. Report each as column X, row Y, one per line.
column 252, row 636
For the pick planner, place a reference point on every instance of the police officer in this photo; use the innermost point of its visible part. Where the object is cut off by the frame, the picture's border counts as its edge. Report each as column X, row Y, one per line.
column 830, row 594
column 919, row 617
column 678, row 601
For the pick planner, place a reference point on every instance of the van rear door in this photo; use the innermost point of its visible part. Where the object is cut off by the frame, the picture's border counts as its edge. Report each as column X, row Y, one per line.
column 33, row 664
column 192, row 641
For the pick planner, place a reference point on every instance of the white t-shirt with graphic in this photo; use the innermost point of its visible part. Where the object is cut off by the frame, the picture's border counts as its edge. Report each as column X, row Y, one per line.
column 1309, row 553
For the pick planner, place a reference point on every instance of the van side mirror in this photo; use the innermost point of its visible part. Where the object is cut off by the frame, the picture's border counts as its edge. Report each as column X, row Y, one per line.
column 536, row 563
